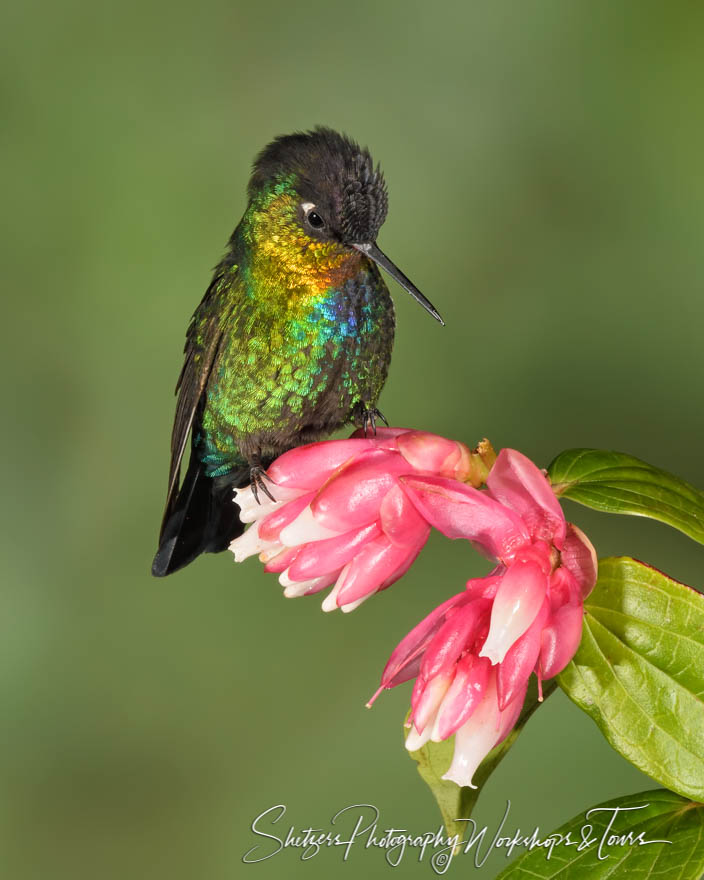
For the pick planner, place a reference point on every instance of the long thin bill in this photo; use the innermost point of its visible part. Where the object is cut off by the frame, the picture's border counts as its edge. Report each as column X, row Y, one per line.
column 369, row 249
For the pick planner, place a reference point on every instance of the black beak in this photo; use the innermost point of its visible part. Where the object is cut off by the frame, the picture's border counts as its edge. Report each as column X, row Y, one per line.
column 369, row 249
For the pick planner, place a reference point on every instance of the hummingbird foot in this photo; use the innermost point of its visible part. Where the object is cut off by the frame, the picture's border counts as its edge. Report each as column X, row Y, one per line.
column 257, row 477
column 368, row 416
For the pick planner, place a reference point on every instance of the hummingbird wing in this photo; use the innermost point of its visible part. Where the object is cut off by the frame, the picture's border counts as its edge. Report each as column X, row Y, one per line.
column 203, row 340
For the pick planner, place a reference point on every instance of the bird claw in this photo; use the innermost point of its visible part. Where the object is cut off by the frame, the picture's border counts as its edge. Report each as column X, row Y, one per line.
column 257, row 477
column 369, row 417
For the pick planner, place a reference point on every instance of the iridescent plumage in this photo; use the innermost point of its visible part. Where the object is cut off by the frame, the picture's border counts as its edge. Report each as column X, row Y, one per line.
column 309, row 329
column 292, row 339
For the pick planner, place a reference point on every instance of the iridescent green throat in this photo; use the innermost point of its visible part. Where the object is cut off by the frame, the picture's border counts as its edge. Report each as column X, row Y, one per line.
column 301, row 318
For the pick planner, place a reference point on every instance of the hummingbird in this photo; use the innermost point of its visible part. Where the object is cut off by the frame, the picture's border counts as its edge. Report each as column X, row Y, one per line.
column 292, row 339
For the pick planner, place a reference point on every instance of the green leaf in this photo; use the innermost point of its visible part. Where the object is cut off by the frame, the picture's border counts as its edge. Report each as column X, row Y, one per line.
column 639, row 671
column 619, row 483
column 667, row 817
column 433, row 759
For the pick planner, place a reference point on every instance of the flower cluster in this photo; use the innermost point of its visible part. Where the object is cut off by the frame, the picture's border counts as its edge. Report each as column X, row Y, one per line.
column 472, row 657
column 342, row 518
column 354, row 514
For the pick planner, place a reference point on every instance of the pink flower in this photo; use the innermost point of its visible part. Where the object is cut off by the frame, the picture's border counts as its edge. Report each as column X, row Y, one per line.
column 456, row 689
column 546, row 566
column 342, row 516
column 472, row 657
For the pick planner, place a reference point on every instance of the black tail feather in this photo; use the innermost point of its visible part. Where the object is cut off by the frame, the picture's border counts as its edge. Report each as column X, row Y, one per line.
column 204, row 519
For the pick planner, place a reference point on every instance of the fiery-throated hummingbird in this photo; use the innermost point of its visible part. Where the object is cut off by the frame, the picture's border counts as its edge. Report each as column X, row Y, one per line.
column 292, row 339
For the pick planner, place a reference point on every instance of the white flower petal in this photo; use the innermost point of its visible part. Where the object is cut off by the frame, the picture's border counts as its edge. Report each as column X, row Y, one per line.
column 294, row 589
column 518, row 600
column 250, row 544
column 416, row 740
column 350, row 606
column 266, row 555
column 429, row 704
column 330, row 601
column 252, row 510
column 312, row 585
column 305, row 529
column 286, row 581
column 476, row 738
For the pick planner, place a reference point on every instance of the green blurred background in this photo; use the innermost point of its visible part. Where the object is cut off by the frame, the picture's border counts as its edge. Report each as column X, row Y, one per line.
column 544, row 162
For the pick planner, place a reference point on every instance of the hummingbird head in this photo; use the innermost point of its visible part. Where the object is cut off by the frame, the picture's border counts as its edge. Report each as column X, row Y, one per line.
column 341, row 197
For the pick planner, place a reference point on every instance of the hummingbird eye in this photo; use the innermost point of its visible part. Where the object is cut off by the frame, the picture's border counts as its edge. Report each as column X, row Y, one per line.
column 315, row 220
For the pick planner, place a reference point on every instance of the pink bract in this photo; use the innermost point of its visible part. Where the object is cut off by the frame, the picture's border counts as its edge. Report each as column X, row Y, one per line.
column 472, row 657
column 518, row 522
column 342, row 518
